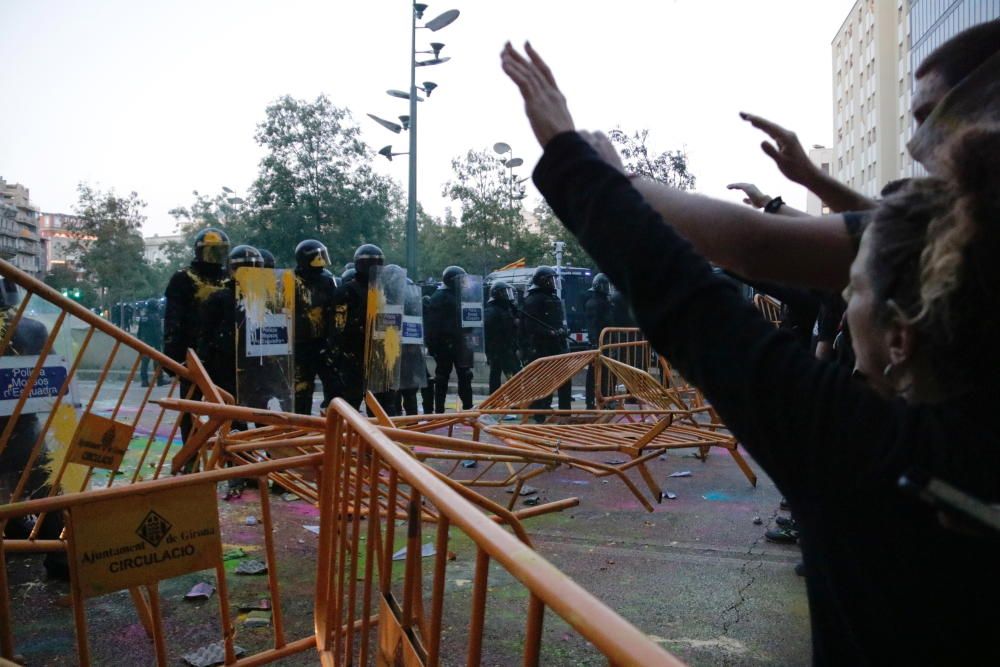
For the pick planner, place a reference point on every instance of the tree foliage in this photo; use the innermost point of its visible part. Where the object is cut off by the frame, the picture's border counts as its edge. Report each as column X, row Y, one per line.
column 109, row 243
column 668, row 167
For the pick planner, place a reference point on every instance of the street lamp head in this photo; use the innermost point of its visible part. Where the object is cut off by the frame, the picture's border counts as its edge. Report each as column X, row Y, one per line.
column 386, row 152
column 428, row 86
column 432, row 61
column 389, row 125
column 442, row 20
column 402, row 94
column 513, row 162
column 405, row 120
column 501, row 148
column 418, row 9
column 436, row 48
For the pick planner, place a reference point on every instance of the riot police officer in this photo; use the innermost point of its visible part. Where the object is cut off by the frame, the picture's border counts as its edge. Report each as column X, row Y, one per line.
column 348, row 275
column 349, row 324
column 151, row 333
column 267, row 257
column 444, row 339
column 185, row 294
column 501, row 333
column 217, row 347
column 27, row 339
column 544, row 329
column 598, row 312
column 315, row 294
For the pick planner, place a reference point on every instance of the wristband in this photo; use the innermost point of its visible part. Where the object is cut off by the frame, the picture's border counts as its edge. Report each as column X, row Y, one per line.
column 773, row 205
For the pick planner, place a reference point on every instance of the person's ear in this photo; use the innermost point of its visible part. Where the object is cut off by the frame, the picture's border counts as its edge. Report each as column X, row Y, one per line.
column 901, row 337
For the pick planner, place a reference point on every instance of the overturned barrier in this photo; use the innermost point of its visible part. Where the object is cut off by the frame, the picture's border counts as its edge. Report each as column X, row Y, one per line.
column 357, row 577
column 364, row 612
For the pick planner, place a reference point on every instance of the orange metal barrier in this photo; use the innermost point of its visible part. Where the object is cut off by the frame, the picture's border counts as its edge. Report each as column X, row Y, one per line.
column 161, row 529
column 357, row 579
column 769, row 307
column 99, row 435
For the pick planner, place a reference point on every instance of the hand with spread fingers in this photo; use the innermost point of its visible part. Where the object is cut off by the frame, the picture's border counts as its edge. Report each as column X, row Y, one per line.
column 544, row 104
column 786, row 151
column 754, row 197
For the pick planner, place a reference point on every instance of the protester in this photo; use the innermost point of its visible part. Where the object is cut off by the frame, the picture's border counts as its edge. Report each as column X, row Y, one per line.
column 899, row 587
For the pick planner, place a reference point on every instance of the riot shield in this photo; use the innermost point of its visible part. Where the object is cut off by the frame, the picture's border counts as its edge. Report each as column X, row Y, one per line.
column 383, row 327
column 413, row 368
column 470, row 311
column 265, row 313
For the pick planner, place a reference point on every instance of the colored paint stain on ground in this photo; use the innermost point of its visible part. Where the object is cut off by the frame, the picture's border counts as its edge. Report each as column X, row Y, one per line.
column 717, row 496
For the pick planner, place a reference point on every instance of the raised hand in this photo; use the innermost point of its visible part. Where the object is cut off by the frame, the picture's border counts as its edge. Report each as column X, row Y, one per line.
column 754, row 197
column 786, row 151
column 544, row 104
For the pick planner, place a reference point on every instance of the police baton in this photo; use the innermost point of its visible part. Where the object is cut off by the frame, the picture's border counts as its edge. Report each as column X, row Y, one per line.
column 543, row 323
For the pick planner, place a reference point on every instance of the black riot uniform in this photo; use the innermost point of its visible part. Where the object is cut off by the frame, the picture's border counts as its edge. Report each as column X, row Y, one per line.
column 443, row 324
column 28, row 339
column 349, row 327
column 150, row 332
column 220, row 314
column 315, row 294
column 501, row 324
column 599, row 314
column 186, row 292
column 543, row 329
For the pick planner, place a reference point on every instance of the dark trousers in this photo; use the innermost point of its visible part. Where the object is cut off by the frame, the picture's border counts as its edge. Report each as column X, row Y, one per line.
column 427, row 395
column 444, row 362
column 504, row 363
column 308, row 364
column 186, row 421
column 565, row 398
column 406, row 401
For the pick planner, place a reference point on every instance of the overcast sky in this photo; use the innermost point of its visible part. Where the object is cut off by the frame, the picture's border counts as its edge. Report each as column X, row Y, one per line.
column 163, row 97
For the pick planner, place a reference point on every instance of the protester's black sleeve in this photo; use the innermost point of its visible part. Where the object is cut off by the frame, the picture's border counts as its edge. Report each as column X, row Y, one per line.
column 802, row 420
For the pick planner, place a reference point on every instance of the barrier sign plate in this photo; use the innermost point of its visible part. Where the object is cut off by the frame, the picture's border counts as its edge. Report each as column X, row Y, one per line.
column 139, row 539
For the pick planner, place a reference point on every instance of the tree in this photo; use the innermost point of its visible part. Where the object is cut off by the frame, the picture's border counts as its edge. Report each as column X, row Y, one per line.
column 64, row 279
column 316, row 181
column 492, row 224
column 109, row 243
column 669, row 167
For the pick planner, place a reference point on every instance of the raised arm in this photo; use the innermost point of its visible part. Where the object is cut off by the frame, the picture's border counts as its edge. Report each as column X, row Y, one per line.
column 792, row 161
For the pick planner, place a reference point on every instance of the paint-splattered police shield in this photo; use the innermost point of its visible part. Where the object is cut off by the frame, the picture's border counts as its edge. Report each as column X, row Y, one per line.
column 383, row 327
column 265, row 302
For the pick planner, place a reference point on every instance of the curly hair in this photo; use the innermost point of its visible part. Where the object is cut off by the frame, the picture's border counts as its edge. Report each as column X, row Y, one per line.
column 935, row 260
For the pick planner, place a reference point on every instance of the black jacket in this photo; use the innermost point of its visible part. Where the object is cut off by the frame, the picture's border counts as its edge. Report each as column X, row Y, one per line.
column 351, row 306
column 542, row 324
column 315, row 293
column 500, row 324
column 599, row 315
column 887, row 582
column 217, row 341
column 186, row 292
column 442, row 330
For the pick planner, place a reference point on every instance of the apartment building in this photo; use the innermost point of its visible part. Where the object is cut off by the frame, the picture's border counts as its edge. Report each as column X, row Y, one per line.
column 20, row 243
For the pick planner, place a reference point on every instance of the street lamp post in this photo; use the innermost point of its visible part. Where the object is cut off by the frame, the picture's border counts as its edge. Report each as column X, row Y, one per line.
column 410, row 122
column 510, row 162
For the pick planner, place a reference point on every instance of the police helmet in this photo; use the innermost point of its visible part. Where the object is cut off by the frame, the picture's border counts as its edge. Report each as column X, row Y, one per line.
column 152, row 306
column 268, row 258
column 245, row 255
column 601, row 284
column 452, row 275
column 9, row 296
column 501, row 291
column 348, row 275
column 211, row 246
column 544, row 278
column 311, row 255
column 365, row 257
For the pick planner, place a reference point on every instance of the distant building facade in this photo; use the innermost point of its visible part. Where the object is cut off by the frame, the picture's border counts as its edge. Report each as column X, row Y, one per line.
column 821, row 156
column 20, row 243
column 875, row 53
column 156, row 246
column 57, row 230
